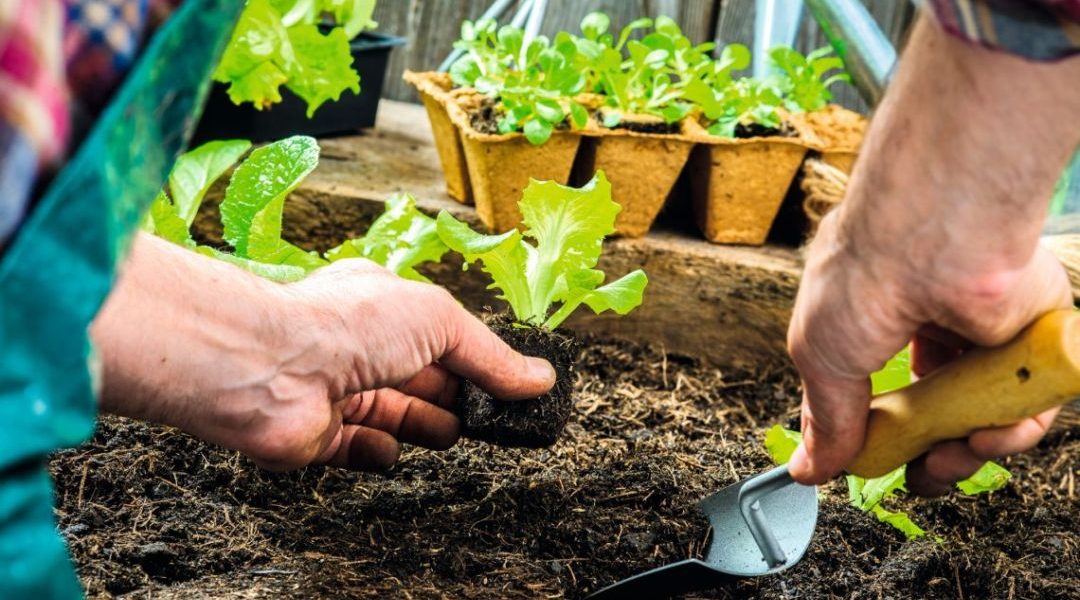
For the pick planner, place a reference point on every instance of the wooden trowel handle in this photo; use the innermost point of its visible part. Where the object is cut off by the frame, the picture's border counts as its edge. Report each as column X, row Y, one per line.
column 987, row 387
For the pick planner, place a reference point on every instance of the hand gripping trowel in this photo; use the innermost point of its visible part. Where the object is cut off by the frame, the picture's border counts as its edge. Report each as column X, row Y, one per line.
column 763, row 525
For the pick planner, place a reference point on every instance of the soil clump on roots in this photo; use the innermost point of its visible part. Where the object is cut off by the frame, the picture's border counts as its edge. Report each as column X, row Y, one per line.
column 147, row 510
column 530, row 423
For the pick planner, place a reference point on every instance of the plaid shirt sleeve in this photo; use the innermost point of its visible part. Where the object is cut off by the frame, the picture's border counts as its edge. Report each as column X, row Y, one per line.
column 56, row 56
column 1035, row 29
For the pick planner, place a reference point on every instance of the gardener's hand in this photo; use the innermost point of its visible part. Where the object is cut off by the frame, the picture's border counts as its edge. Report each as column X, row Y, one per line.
column 936, row 240
column 337, row 369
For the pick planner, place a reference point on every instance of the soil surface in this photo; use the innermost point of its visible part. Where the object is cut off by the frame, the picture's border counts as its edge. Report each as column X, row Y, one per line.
column 642, row 123
column 753, row 130
column 534, row 423
column 151, row 511
column 485, row 117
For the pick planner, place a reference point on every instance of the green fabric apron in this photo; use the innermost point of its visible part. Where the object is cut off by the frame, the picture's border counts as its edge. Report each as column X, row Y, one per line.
column 59, row 269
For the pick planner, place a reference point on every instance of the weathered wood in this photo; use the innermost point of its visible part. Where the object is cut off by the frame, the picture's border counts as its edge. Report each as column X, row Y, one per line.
column 727, row 304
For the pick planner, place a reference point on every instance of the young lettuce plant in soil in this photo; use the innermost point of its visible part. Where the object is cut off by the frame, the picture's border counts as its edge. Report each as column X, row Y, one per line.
column 804, row 81
column 531, row 88
column 544, row 274
column 252, row 209
column 650, row 81
column 279, row 42
column 869, row 495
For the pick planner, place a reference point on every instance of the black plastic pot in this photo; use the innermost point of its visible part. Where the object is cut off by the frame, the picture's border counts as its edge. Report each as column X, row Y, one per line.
column 224, row 120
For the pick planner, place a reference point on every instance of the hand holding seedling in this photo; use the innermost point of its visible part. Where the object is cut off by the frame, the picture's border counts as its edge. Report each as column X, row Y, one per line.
column 936, row 241
column 339, row 368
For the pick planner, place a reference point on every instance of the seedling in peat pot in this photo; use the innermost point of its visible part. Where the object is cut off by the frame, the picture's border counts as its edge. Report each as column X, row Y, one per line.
column 544, row 274
column 805, row 80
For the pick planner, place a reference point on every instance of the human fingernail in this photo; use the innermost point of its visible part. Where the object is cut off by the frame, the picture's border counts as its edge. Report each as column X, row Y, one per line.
column 541, row 370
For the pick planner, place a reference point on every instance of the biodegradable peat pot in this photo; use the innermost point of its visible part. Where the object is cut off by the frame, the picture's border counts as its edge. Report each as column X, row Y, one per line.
column 738, row 184
column 642, row 158
column 222, row 119
column 501, row 165
column 838, row 133
column 436, row 92
column 531, row 423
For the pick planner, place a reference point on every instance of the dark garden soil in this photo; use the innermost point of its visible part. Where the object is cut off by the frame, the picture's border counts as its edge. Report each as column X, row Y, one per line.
column 753, row 130
column 530, row 423
column 485, row 118
column 148, row 509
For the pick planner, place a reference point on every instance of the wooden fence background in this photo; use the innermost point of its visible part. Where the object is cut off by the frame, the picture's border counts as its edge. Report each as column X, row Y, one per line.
column 431, row 26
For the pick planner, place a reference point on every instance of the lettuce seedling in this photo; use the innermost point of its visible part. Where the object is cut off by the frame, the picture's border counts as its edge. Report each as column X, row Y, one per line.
column 278, row 42
column 745, row 101
column 868, row 495
column 490, row 53
column 650, row 78
column 805, row 80
column 254, row 202
column 548, row 271
column 400, row 239
column 535, row 85
column 538, row 98
column 173, row 211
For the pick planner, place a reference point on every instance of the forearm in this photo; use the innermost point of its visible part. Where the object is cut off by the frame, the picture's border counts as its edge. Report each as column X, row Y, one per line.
column 179, row 326
column 975, row 139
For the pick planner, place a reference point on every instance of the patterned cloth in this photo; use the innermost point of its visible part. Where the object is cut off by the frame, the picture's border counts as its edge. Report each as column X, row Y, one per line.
column 1039, row 29
column 51, row 52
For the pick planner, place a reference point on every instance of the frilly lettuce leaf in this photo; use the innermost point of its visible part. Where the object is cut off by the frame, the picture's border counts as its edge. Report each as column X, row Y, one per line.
column 258, row 56
column 553, row 261
column 501, row 256
column 278, row 42
column 400, row 239
column 172, row 214
column 323, row 67
column 255, row 199
column 989, row 478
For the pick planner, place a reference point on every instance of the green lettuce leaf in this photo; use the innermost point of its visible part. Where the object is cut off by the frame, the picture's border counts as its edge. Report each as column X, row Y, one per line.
column 899, row 520
column 197, row 170
column 621, row 296
column 353, row 16
column 323, row 69
column 280, row 273
column 255, row 199
column 172, row 214
column 258, row 56
column 553, row 261
column 781, row 443
column 989, row 478
column 400, row 239
column 164, row 220
column 501, row 256
column 894, row 375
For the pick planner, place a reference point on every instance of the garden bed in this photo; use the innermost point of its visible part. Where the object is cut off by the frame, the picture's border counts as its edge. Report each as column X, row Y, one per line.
column 148, row 509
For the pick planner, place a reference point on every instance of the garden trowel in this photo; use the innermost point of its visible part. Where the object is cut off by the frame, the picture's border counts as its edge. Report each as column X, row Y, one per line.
column 763, row 525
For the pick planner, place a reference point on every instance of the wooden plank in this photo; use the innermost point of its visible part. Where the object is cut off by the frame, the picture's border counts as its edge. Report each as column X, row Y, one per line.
column 727, row 304
column 430, row 28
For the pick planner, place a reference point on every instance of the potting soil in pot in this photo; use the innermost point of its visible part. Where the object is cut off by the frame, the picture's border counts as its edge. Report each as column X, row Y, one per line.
column 151, row 511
